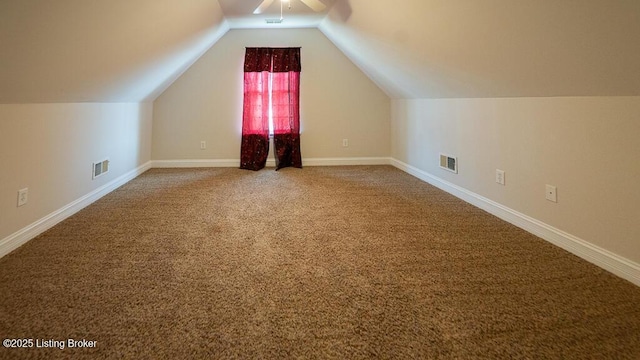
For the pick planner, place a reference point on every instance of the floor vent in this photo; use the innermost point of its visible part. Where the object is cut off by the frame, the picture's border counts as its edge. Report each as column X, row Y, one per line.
column 449, row 163
column 100, row 168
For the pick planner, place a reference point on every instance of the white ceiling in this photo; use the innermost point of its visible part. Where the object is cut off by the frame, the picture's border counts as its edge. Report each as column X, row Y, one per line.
column 492, row 48
column 67, row 51
column 129, row 51
column 239, row 14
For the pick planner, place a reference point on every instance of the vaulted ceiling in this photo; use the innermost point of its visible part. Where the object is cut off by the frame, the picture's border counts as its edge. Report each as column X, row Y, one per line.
column 492, row 48
column 129, row 51
column 100, row 50
column 240, row 14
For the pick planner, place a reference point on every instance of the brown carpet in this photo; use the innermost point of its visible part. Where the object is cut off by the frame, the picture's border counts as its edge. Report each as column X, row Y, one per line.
column 320, row 263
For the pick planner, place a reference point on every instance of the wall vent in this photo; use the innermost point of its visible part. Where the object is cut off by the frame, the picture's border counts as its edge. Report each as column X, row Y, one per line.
column 100, row 168
column 449, row 163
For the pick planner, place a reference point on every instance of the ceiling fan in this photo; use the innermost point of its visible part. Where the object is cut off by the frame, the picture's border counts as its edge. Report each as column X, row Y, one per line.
column 315, row 5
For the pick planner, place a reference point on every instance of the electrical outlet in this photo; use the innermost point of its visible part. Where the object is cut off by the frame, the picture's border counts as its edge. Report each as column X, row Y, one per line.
column 345, row 142
column 203, row 145
column 23, row 196
column 500, row 176
column 551, row 193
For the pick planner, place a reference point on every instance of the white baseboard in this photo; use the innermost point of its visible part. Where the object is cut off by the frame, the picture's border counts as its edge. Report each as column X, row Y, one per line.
column 195, row 163
column 270, row 162
column 346, row 161
column 603, row 258
column 29, row 232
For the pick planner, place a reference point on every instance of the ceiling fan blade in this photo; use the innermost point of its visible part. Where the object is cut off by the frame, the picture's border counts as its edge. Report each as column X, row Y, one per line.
column 316, row 5
column 260, row 9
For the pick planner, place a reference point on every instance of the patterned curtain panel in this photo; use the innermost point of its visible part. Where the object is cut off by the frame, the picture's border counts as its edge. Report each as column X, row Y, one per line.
column 286, row 60
column 271, row 88
column 286, row 119
column 254, row 148
column 285, row 93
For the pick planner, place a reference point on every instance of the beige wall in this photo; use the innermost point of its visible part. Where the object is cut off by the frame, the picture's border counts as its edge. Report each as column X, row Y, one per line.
column 337, row 101
column 50, row 148
column 586, row 146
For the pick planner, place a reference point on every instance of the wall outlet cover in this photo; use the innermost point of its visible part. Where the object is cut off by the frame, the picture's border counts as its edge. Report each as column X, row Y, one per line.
column 500, row 176
column 23, row 196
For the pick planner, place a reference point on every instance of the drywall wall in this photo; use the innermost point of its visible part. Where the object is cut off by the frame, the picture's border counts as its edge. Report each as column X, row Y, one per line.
column 586, row 146
column 50, row 148
column 337, row 102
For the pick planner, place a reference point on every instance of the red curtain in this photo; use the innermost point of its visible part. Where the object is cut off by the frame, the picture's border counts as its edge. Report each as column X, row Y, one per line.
column 282, row 66
column 254, row 148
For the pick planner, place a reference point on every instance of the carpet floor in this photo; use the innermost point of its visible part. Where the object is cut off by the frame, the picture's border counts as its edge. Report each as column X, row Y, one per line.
column 361, row 262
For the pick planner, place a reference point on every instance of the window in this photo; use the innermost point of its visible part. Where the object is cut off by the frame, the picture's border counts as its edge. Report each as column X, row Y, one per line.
column 271, row 107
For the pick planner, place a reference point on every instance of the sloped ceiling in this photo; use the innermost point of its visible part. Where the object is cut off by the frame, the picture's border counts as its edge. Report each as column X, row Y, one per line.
column 100, row 50
column 492, row 48
column 129, row 51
